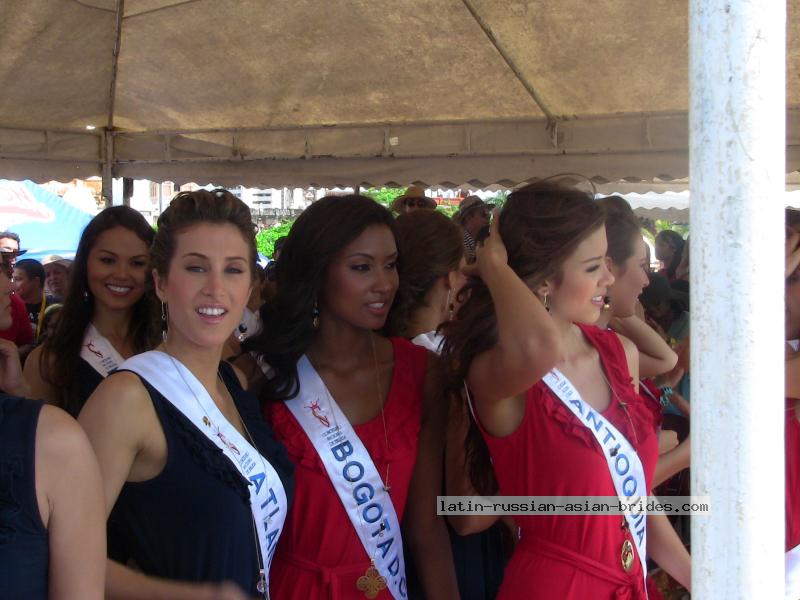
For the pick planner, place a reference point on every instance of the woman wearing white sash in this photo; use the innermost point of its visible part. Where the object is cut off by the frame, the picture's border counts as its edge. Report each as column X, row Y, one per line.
column 793, row 405
column 108, row 315
column 356, row 412
column 544, row 387
column 198, row 486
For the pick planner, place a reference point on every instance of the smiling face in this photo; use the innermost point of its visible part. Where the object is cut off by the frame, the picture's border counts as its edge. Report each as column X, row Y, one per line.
column 207, row 284
column 630, row 279
column 585, row 279
column 361, row 280
column 116, row 269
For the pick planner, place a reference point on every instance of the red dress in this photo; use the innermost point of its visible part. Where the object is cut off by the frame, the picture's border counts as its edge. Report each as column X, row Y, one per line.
column 319, row 554
column 572, row 557
column 792, row 475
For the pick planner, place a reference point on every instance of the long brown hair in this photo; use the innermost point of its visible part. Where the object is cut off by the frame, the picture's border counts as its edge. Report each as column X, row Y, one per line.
column 541, row 224
column 430, row 246
column 58, row 362
column 622, row 228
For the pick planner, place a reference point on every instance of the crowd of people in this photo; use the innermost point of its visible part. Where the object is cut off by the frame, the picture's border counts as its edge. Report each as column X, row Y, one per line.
column 188, row 425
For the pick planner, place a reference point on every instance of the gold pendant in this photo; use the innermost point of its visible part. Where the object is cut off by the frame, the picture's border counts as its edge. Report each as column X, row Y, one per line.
column 626, row 556
column 371, row 582
column 261, row 586
column 206, row 422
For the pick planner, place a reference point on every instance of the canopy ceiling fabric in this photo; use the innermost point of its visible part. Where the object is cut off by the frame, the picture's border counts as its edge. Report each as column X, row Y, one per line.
column 308, row 92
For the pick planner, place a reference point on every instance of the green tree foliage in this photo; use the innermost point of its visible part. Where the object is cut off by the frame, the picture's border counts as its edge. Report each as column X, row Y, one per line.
column 383, row 195
column 265, row 240
column 681, row 228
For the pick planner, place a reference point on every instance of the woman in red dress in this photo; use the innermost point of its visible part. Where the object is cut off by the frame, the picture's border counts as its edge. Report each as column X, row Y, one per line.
column 336, row 280
column 543, row 276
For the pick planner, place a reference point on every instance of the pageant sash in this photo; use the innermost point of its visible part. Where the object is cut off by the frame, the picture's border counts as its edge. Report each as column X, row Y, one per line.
column 431, row 340
column 98, row 352
column 793, row 574
column 267, row 496
column 624, row 465
column 353, row 475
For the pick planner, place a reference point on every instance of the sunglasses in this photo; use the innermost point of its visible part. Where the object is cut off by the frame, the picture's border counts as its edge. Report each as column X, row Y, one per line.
column 411, row 202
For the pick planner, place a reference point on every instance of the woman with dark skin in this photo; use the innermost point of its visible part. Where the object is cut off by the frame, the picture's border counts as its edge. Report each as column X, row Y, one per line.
column 336, row 279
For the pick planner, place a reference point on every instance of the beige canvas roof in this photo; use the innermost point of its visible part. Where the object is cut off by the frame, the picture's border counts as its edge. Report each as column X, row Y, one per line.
column 320, row 92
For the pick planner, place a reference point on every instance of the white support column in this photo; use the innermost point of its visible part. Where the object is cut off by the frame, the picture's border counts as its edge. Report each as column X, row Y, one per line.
column 737, row 157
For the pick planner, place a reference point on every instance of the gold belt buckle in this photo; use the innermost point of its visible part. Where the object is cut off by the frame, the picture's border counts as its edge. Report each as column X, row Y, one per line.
column 626, row 556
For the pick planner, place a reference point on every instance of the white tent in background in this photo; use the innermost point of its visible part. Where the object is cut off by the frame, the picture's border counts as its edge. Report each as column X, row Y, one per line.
column 326, row 94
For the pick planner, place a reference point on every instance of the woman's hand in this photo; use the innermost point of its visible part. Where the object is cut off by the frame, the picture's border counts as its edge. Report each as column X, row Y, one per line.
column 11, row 380
column 491, row 253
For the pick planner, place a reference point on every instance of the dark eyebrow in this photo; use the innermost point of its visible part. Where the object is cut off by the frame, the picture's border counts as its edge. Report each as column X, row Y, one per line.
column 204, row 257
column 593, row 258
column 365, row 255
column 117, row 255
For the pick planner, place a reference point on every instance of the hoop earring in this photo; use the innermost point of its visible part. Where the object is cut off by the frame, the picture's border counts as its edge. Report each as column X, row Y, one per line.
column 315, row 316
column 164, row 325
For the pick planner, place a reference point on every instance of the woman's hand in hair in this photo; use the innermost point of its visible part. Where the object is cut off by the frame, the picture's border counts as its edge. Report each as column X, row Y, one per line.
column 491, row 253
column 11, row 380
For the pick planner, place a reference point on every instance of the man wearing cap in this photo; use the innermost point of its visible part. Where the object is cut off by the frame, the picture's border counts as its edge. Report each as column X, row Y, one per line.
column 472, row 215
column 56, row 270
column 20, row 331
column 412, row 199
column 9, row 242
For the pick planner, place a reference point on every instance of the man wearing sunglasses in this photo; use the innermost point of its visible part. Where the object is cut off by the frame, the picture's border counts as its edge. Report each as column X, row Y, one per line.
column 473, row 215
column 413, row 198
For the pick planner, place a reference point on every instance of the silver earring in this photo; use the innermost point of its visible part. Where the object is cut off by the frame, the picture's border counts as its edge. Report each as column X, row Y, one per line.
column 315, row 316
column 546, row 303
column 164, row 321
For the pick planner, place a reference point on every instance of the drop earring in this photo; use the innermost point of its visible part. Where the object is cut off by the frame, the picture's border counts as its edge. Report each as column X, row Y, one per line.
column 606, row 302
column 315, row 316
column 546, row 303
column 450, row 306
column 164, row 322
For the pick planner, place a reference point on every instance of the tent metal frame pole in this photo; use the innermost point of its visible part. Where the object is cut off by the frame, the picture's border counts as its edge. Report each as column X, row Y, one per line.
column 737, row 159
column 484, row 25
column 107, row 174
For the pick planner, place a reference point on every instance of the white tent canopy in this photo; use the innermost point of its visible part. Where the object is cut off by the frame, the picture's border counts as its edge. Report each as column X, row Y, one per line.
column 303, row 92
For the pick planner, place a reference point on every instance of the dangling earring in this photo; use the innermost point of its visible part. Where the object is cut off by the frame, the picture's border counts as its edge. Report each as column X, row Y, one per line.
column 315, row 316
column 546, row 303
column 606, row 302
column 164, row 322
column 85, row 296
column 449, row 306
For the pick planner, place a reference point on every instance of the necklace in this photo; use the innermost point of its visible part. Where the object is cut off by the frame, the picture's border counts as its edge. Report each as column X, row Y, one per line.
column 372, row 582
column 261, row 582
column 622, row 405
column 386, row 485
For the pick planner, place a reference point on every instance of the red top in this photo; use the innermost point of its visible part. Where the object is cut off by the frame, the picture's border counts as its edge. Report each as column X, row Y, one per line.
column 20, row 332
column 792, row 475
column 319, row 554
column 551, row 453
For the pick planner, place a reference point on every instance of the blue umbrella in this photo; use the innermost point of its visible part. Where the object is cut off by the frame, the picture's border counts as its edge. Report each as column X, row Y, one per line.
column 44, row 222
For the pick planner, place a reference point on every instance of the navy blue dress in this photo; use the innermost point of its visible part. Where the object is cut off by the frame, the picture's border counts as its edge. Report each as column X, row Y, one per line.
column 192, row 522
column 23, row 536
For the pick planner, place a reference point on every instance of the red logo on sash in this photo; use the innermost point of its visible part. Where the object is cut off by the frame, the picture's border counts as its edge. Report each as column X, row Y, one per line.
column 315, row 409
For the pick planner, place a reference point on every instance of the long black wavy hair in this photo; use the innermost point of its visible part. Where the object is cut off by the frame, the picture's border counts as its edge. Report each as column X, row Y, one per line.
column 58, row 362
column 318, row 234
